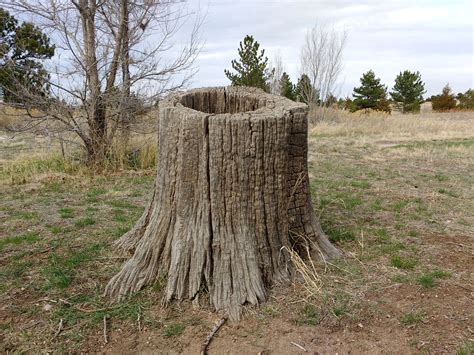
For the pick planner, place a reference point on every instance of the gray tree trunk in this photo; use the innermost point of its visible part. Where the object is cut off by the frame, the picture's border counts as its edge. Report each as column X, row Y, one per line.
column 230, row 198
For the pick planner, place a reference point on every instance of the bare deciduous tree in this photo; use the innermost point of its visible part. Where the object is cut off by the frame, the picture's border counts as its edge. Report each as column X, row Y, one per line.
column 321, row 61
column 278, row 69
column 111, row 54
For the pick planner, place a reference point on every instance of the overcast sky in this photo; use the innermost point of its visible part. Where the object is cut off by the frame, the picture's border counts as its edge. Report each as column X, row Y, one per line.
column 432, row 36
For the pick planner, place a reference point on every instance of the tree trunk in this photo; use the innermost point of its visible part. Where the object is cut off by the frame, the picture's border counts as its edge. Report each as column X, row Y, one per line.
column 231, row 198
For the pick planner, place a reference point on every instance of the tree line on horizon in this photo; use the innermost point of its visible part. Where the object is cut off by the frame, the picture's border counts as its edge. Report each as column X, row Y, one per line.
column 99, row 87
column 252, row 69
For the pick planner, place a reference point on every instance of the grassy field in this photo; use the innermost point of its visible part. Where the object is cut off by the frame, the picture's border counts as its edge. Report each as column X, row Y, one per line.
column 396, row 194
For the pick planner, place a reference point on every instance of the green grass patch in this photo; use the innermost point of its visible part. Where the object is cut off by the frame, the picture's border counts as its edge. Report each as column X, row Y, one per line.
column 360, row 184
column 401, row 279
column 55, row 229
column 466, row 349
column 428, row 280
column 93, row 194
column 382, row 234
column 56, row 273
column 29, row 238
column 403, row 263
column 121, row 231
column 441, row 177
column 339, row 310
column 377, row 205
column 271, row 311
column 392, row 247
column 400, row 205
column 351, row 202
column 66, row 212
column 122, row 204
column 53, row 187
column 60, row 271
column 439, row 144
column 25, row 215
column 308, row 315
column 14, row 270
column 323, row 203
column 448, row 192
column 339, row 234
column 412, row 318
column 84, row 222
column 173, row 330
column 120, row 215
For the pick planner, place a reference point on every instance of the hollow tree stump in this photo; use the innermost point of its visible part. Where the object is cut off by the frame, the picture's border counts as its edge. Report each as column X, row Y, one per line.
column 231, row 197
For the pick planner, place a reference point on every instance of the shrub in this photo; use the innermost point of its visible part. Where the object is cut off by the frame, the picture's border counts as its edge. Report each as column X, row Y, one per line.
column 466, row 100
column 444, row 102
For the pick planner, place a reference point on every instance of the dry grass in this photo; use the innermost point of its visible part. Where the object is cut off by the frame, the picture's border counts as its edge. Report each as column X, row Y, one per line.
column 10, row 117
column 24, row 157
column 404, row 127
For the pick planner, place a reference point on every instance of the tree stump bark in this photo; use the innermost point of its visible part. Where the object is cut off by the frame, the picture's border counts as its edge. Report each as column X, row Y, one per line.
column 231, row 197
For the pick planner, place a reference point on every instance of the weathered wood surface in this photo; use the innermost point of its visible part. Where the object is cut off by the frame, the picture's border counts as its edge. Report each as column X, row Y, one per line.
column 231, row 195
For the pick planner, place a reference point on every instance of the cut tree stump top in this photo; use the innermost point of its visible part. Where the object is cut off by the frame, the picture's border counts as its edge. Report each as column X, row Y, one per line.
column 234, row 101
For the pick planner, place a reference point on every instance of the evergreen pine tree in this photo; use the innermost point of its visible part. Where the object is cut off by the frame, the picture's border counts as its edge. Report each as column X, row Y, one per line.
column 304, row 90
column 251, row 67
column 408, row 91
column 371, row 94
column 22, row 47
column 466, row 100
column 287, row 88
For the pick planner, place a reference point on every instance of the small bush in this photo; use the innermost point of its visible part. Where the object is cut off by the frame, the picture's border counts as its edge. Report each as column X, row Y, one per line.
column 466, row 100
column 444, row 102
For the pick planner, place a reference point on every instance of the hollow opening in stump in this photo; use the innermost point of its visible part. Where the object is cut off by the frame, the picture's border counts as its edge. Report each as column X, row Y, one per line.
column 219, row 102
column 231, row 199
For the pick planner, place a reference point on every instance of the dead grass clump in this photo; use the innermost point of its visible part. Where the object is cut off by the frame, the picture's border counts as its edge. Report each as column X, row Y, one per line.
column 138, row 154
column 311, row 280
column 10, row 117
column 324, row 114
column 25, row 168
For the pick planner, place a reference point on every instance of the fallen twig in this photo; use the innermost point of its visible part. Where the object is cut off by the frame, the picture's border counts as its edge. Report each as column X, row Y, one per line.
column 213, row 332
column 60, row 327
column 298, row 346
column 105, row 330
column 45, row 250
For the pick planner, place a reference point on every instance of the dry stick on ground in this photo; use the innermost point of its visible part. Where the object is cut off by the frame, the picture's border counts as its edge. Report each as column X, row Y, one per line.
column 60, row 327
column 213, row 332
column 298, row 346
column 105, row 330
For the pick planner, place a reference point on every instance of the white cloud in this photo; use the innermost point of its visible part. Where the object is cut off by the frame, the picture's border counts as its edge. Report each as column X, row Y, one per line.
column 432, row 36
